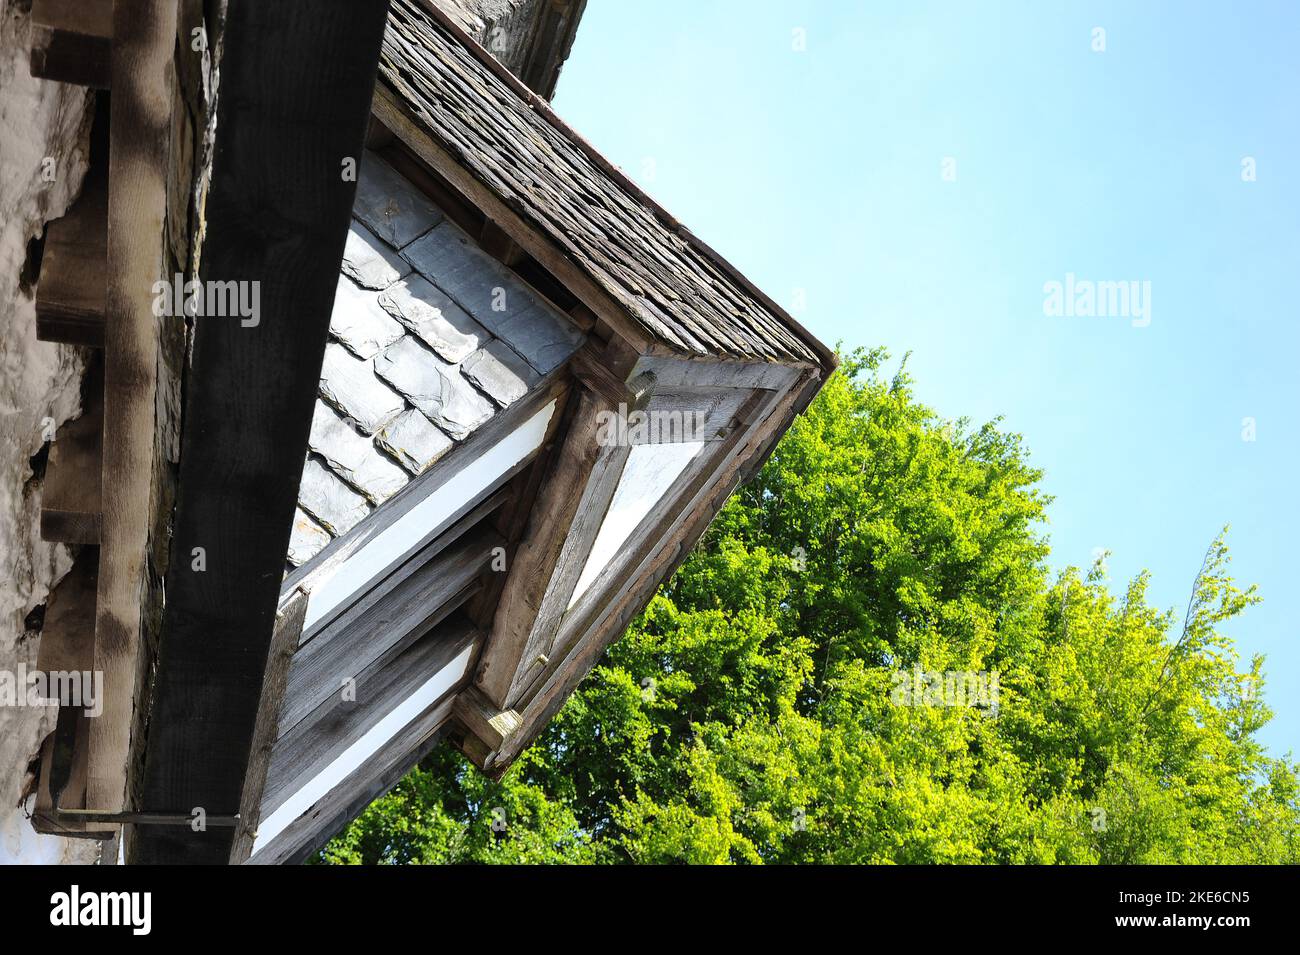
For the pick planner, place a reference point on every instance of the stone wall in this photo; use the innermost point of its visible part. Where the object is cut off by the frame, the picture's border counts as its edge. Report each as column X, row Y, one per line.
column 44, row 136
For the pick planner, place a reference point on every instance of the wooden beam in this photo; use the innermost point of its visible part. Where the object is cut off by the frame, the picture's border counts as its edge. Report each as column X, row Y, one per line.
column 71, row 505
column 144, row 38
column 284, row 642
column 67, row 645
column 296, row 82
column 483, row 727
column 72, row 41
column 382, row 771
column 395, row 115
column 674, row 542
column 70, row 297
column 570, row 507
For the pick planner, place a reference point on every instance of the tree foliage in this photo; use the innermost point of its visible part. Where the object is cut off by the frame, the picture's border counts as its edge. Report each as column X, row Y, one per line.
column 750, row 714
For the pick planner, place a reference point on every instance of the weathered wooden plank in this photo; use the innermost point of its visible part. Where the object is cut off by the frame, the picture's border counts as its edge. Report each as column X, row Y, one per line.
column 598, row 487
column 535, row 560
column 72, row 41
column 296, row 82
column 144, row 37
column 660, row 556
column 484, row 728
column 410, row 607
column 377, row 775
column 303, row 752
column 71, row 505
column 71, row 294
column 68, row 634
column 62, row 781
column 284, row 641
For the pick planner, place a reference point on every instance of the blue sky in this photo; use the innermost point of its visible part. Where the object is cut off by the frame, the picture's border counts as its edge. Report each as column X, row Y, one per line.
column 823, row 170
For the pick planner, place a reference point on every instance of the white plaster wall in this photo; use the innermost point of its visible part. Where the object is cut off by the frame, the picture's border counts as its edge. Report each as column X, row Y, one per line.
column 38, row 119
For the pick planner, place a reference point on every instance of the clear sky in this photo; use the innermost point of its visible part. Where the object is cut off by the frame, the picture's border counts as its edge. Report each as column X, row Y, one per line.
column 823, row 170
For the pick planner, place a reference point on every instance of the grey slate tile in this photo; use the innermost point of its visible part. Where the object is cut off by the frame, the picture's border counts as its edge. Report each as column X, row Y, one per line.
column 307, row 538
column 498, row 370
column 335, row 506
column 414, row 441
column 441, row 324
column 435, row 387
column 358, row 321
column 354, row 457
column 391, row 207
column 486, row 289
column 369, row 262
column 349, row 384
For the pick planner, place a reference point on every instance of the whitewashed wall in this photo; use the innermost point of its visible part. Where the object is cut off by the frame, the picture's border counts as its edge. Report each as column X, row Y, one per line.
column 37, row 380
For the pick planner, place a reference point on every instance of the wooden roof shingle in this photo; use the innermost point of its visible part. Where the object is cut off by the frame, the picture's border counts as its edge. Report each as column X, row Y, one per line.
column 669, row 283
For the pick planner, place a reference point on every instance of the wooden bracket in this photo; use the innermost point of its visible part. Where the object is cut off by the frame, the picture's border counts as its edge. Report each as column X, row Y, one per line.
column 486, row 728
column 72, row 41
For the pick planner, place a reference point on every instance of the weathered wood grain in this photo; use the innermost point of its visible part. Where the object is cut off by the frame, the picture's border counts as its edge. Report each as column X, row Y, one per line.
column 71, row 501
column 284, row 641
column 72, row 41
column 70, row 297
column 144, row 37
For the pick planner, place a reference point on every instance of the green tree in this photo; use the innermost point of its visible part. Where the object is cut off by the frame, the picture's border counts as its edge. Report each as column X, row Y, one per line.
column 753, row 712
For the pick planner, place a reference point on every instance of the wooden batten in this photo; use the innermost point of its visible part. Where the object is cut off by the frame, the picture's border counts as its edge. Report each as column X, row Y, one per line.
column 71, row 510
column 74, row 269
column 72, row 41
column 67, row 645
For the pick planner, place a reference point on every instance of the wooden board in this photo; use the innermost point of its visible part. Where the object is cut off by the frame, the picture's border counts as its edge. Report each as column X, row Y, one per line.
column 144, row 37
column 288, row 628
column 303, row 752
column 296, row 82
column 72, row 41
column 70, row 297
column 71, row 506
column 415, row 604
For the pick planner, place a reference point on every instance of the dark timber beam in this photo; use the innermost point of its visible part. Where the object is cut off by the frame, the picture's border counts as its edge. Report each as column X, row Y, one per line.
column 296, row 84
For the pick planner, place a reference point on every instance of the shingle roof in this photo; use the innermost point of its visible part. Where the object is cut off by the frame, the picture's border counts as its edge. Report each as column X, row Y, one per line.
column 429, row 338
column 668, row 282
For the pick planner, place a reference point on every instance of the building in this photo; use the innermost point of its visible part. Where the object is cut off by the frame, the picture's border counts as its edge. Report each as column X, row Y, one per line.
column 399, row 402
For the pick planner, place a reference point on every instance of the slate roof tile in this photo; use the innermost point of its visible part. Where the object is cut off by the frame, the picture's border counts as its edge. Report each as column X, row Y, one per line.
column 435, row 387
column 495, row 296
column 307, row 538
column 441, row 324
column 499, row 371
column 325, row 497
column 370, row 262
column 391, row 207
column 413, row 441
column 353, row 456
column 358, row 321
column 350, row 385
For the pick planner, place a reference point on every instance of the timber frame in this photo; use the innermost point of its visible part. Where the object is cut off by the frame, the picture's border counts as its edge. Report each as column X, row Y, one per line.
column 468, row 604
